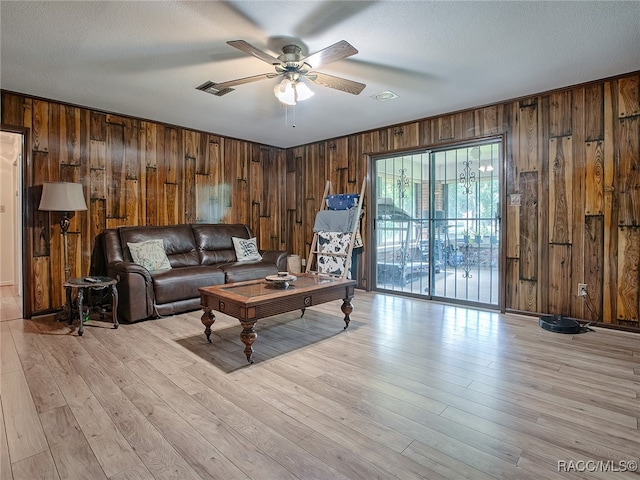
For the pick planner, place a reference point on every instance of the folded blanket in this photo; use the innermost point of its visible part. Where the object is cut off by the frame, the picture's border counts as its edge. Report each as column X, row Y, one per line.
column 335, row 220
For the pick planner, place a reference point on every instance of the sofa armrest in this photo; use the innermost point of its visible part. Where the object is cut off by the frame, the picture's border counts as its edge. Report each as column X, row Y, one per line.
column 129, row 268
column 279, row 257
column 135, row 290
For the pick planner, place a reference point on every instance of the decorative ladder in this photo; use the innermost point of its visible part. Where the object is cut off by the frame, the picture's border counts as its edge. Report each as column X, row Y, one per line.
column 314, row 251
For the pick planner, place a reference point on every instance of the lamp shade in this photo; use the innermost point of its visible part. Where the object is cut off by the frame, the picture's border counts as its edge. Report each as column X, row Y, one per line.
column 62, row 197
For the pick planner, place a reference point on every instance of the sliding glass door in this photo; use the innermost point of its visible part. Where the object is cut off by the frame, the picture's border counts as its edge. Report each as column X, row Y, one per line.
column 437, row 224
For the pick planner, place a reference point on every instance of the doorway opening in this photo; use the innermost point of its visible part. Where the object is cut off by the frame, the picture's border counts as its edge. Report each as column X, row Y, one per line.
column 437, row 223
column 11, row 275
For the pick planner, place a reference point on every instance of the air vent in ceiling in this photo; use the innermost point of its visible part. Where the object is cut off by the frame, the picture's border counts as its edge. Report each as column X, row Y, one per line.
column 210, row 87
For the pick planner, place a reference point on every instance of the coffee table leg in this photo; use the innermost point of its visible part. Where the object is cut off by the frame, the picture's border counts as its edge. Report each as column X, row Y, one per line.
column 207, row 320
column 347, row 308
column 248, row 336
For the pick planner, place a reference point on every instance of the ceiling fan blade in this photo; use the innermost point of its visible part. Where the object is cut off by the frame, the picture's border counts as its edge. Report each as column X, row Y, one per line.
column 338, row 83
column 256, row 52
column 337, row 51
column 241, row 81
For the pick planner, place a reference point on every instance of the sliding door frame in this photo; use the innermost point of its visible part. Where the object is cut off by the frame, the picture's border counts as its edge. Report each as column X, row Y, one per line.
column 501, row 216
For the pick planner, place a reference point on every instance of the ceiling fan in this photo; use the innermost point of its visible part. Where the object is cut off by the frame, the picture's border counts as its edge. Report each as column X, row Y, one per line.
column 293, row 67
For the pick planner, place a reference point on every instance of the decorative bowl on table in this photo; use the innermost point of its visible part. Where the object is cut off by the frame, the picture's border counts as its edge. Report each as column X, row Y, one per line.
column 281, row 280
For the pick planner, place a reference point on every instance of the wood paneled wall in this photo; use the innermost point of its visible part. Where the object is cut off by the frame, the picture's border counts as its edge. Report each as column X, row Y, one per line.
column 134, row 172
column 572, row 155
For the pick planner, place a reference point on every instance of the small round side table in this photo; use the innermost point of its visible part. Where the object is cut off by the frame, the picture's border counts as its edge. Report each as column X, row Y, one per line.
column 93, row 283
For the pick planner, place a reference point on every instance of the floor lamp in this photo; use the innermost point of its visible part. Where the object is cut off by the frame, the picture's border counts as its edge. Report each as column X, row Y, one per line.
column 63, row 197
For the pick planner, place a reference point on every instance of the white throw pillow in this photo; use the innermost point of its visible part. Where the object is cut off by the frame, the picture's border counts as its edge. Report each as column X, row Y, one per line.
column 150, row 254
column 246, row 249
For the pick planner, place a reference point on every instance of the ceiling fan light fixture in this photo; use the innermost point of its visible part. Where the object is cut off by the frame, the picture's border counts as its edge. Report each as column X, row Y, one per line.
column 285, row 92
column 291, row 92
column 303, row 92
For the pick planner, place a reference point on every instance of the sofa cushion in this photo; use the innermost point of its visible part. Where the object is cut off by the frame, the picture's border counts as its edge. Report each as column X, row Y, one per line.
column 150, row 254
column 179, row 243
column 180, row 283
column 246, row 249
column 214, row 243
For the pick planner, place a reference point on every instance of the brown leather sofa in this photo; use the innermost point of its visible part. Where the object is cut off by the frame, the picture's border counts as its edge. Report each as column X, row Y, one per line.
column 200, row 255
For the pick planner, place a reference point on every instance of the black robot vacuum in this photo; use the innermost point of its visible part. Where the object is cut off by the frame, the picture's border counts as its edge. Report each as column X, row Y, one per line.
column 560, row 324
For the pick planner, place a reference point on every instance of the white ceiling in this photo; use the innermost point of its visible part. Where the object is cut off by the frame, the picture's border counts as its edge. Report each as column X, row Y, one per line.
column 146, row 58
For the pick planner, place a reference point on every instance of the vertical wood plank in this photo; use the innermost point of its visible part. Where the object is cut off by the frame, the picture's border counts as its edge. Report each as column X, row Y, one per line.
column 511, row 282
column 528, row 296
column 243, row 205
column 147, row 141
column 593, row 267
column 490, row 120
column 98, row 221
column 513, row 230
column 170, row 214
column 405, row 136
column 98, row 167
column 40, row 227
column 116, row 173
column 191, row 144
column 268, row 174
column 171, row 155
column 594, row 112
column 594, row 178
column 132, row 157
column 426, row 136
column 629, row 96
column 560, row 106
column 529, row 226
column 610, row 253
column 560, row 189
column 628, row 280
column 190, row 190
column 98, row 128
column 70, row 136
column 167, row 177
column 40, row 126
column 469, row 125
column 527, row 152
column 152, row 198
column 445, row 128
column 40, row 284
column 12, row 109
column 560, row 281
column 132, row 200
column 629, row 161
column 577, row 185
column 258, row 157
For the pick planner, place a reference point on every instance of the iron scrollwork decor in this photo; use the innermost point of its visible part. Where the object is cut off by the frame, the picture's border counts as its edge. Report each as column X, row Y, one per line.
column 403, row 182
column 467, row 178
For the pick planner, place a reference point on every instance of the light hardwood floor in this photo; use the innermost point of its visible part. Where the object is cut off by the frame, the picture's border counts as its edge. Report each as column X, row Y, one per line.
column 411, row 390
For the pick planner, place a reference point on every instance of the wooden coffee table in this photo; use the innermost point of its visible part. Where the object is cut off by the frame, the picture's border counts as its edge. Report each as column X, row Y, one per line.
column 255, row 299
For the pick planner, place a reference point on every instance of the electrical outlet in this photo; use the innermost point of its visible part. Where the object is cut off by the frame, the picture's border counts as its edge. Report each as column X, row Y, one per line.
column 582, row 289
